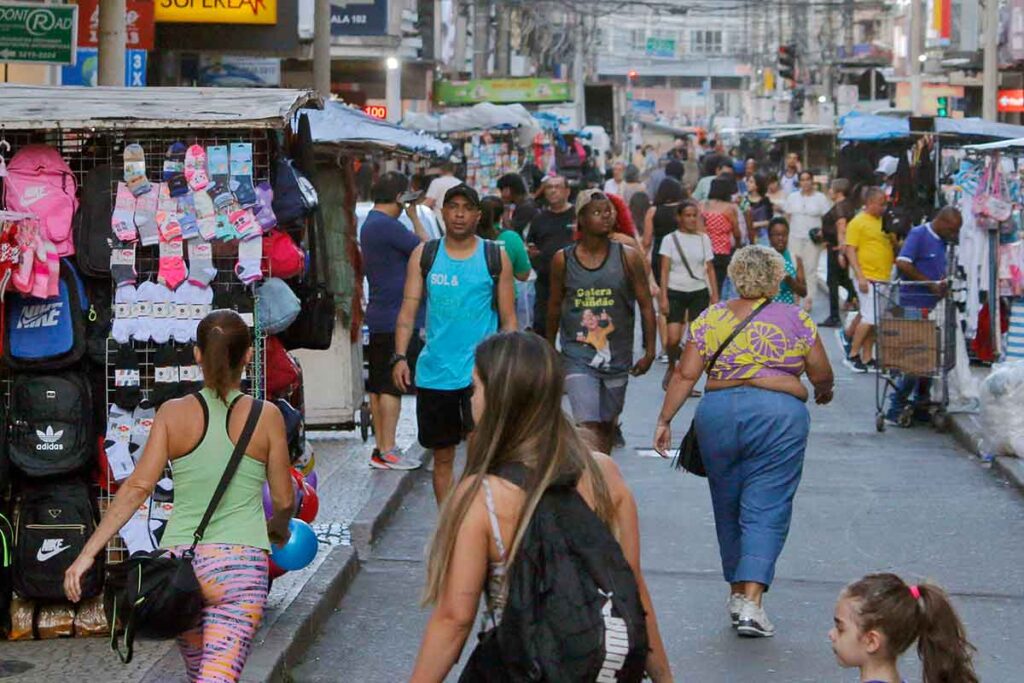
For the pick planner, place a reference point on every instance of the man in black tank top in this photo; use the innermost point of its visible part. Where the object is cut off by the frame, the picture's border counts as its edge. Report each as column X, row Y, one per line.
column 595, row 285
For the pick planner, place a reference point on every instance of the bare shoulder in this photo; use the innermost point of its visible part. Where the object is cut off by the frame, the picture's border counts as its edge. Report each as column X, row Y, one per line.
column 178, row 409
column 617, row 486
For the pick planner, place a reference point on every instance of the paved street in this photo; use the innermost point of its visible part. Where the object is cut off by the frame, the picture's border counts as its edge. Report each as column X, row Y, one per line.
column 905, row 501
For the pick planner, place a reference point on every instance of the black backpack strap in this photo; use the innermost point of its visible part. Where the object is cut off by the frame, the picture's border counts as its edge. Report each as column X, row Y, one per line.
column 229, row 471
column 513, row 472
column 492, row 254
column 428, row 256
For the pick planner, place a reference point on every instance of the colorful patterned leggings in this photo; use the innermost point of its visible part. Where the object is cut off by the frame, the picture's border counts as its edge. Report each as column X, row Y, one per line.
column 235, row 584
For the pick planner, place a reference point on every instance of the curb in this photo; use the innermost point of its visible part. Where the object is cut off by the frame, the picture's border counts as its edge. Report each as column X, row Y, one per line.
column 385, row 499
column 969, row 433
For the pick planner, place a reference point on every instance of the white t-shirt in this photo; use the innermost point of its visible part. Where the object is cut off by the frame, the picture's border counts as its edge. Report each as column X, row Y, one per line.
column 698, row 251
column 613, row 187
column 805, row 213
column 438, row 189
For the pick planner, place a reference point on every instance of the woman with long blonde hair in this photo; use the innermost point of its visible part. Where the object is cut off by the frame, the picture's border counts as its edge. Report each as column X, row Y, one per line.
column 517, row 396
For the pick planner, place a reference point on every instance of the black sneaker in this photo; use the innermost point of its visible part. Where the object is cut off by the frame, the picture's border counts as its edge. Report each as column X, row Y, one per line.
column 619, row 441
column 830, row 322
column 855, row 365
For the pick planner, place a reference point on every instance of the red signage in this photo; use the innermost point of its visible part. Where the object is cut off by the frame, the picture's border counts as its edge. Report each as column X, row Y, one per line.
column 1010, row 101
column 377, row 111
column 138, row 15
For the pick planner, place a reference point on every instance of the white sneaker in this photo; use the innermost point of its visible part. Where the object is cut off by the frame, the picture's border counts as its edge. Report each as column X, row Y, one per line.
column 753, row 621
column 734, row 604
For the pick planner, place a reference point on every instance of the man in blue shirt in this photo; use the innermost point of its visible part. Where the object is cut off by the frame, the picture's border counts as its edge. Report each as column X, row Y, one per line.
column 461, row 312
column 923, row 259
column 386, row 245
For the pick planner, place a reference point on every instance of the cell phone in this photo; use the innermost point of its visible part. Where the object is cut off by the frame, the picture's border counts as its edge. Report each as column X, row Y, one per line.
column 407, row 197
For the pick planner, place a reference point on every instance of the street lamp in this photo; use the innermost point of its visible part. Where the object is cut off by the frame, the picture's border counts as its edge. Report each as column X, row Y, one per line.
column 392, row 63
column 393, row 88
column 822, row 99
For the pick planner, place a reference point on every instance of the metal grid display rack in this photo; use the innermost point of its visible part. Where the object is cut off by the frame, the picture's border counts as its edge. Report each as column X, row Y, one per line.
column 90, row 128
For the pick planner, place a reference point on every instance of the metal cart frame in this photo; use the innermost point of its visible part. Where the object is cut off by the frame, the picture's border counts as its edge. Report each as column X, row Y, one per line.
column 916, row 342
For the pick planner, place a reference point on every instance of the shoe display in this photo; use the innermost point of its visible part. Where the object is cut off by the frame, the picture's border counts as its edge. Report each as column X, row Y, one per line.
column 753, row 621
column 734, row 604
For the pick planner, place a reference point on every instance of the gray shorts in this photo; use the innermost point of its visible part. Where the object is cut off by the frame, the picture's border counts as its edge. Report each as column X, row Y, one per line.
column 595, row 397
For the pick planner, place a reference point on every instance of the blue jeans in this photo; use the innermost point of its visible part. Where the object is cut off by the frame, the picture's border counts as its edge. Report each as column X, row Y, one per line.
column 752, row 442
column 920, row 387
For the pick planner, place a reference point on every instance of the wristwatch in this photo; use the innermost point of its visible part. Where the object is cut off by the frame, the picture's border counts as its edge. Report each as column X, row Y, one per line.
column 397, row 358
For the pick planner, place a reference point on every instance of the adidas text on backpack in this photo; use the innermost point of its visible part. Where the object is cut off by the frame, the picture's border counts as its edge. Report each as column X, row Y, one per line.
column 39, row 182
column 50, row 427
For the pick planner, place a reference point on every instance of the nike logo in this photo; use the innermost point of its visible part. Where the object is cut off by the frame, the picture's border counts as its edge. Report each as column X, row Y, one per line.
column 31, row 195
column 51, row 548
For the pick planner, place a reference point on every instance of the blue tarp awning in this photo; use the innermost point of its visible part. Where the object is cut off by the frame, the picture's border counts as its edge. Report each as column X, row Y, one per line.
column 872, row 128
column 975, row 127
column 340, row 124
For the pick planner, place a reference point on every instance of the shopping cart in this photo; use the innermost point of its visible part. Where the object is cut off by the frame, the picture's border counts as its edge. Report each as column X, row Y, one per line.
column 915, row 342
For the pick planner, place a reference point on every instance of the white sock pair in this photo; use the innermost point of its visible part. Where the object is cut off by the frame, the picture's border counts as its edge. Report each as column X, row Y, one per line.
column 191, row 304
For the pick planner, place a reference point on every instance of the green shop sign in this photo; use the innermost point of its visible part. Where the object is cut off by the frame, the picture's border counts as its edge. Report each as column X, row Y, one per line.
column 502, row 91
column 44, row 34
column 661, row 47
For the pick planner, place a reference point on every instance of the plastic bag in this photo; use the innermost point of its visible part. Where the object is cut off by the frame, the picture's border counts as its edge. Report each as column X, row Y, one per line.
column 1002, row 394
column 22, row 613
column 55, row 621
column 91, row 620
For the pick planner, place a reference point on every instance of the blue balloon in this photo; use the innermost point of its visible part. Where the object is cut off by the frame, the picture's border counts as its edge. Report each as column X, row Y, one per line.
column 300, row 549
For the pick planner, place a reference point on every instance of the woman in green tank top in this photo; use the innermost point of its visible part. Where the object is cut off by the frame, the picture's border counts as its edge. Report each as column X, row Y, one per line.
column 196, row 436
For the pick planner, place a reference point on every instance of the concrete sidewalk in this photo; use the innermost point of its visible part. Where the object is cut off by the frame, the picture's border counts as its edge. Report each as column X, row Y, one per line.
column 355, row 503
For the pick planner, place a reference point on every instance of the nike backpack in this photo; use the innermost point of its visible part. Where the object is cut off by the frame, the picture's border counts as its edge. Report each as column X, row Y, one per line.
column 47, row 334
column 93, row 237
column 52, row 524
column 39, row 182
column 51, row 427
column 573, row 610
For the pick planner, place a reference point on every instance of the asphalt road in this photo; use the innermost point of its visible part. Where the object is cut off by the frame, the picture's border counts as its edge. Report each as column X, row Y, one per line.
column 908, row 501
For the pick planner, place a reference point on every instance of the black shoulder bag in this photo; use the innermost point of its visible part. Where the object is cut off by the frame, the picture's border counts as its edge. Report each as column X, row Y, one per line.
column 689, row 457
column 156, row 594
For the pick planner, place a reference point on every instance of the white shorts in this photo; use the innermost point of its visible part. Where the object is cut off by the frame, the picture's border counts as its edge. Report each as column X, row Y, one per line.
column 868, row 315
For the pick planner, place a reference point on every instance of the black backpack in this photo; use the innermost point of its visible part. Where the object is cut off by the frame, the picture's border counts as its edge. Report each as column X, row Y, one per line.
column 52, row 524
column 92, row 233
column 98, row 319
column 294, row 196
column 47, row 334
column 51, row 426
column 573, row 610
column 492, row 254
column 6, row 559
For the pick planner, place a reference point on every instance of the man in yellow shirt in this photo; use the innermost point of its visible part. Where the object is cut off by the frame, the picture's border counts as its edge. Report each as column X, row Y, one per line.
column 871, row 255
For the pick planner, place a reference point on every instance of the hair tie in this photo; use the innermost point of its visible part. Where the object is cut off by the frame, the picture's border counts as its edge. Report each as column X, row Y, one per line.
column 916, row 592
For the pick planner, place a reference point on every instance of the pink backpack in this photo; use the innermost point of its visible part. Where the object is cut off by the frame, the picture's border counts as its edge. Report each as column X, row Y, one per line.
column 39, row 182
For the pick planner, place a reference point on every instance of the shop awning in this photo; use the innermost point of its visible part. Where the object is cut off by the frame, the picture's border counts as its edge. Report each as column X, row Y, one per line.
column 782, row 130
column 345, row 126
column 975, row 127
column 1016, row 143
column 483, row 116
column 50, row 107
column 871, row 128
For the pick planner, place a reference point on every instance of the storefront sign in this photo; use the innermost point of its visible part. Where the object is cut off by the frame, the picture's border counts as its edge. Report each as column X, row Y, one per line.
column 359, row 18
column 661, row 47
column 643, row 106
column 231, row 71
column 502, row 91
column 138, row 19
column 86, row 67
column 45, row 34
column 216, row 11
column 377, row 111
column 1010, row 101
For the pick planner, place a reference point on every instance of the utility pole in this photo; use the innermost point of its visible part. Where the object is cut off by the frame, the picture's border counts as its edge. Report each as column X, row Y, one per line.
column 990, row 82
column 578, row 74
column 322, row 48
column 501, row 58
column 916, row 50
column 481, row 29
column 112, row 43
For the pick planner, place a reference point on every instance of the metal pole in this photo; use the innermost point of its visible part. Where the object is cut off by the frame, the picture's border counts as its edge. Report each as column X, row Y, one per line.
column 393, row 89
column 916, row 50
column 501, row 59
column 322, row 48
column 990, row 82
column 578, row 76
column 481, row 27
column 112, row 43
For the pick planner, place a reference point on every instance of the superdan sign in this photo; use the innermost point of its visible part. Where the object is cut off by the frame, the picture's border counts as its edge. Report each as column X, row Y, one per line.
column 1010, row 101
column 217, row 11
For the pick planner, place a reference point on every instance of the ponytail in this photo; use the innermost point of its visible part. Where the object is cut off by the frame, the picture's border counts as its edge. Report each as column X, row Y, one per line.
column 223, row 339
column 904, row 613
column 942, row 645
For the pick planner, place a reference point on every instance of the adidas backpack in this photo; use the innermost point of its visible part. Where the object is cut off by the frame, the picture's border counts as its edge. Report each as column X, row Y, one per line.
column 51, row 425
column 573, row 610
column 52, row 524
column 40, row 182
column 47, row 334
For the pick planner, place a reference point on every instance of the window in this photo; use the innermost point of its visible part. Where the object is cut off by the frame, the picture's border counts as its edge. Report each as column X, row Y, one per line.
column 638, row 39
column 706, row 42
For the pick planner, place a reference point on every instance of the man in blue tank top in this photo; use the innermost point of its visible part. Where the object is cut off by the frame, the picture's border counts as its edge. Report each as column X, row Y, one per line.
column 595, row 286
column 461, row 312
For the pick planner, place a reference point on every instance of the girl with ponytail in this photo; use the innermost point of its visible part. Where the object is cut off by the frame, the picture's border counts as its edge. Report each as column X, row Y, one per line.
column 879, row 617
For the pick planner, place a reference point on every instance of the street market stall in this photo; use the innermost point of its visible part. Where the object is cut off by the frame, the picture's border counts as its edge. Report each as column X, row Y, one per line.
column 128, row 215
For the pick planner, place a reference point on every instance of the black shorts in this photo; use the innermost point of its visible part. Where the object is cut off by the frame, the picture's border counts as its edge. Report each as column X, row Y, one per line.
column 681, row 303
column 378, row 357
column 444, row 418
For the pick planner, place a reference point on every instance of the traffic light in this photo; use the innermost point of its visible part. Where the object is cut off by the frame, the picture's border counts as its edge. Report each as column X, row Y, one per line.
column 787, row 62
column 942, row 108
column 796, row 105
column 631, row 75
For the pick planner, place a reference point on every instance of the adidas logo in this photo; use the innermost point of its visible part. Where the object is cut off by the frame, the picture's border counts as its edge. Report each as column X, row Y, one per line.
column 39, row 315
column 49, row 438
